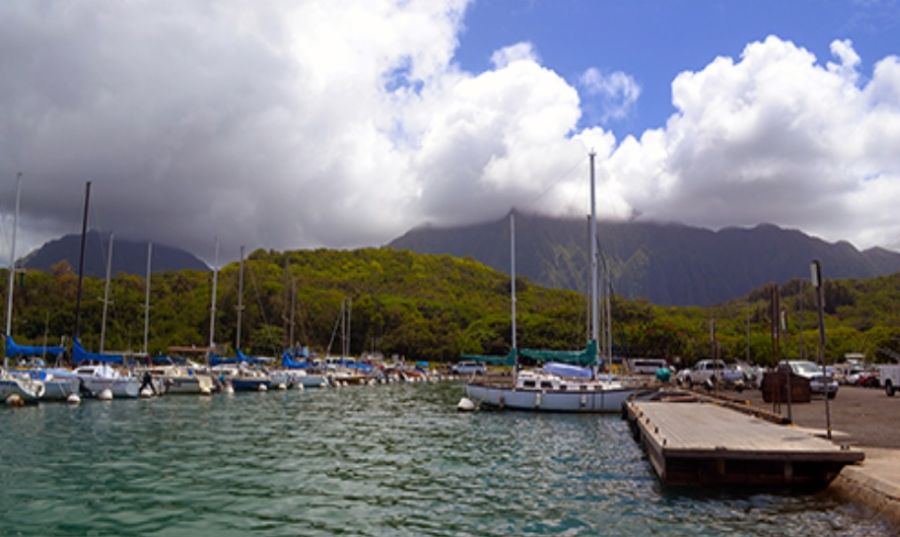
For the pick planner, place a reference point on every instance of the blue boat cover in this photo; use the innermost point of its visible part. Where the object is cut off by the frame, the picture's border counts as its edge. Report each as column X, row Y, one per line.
column 289, row 363
column 13, row 350
column 567, row 370
column 239, row 357
column 80, row 355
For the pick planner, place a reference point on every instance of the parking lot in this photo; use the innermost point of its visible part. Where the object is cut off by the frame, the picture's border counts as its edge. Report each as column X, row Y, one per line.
column 866, row 415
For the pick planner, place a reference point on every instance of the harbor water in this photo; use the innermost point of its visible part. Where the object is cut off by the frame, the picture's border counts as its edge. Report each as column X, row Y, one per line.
column 375, row 460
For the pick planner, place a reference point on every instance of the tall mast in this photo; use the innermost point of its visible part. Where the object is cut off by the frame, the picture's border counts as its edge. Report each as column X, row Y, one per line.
column 293, row 309
column 106, row 293
column 12, row 263
column 512, row 270
column 595, row 326
column 240, row 306
column 349, row 319
column 12, row 258
column 343, row 327
column 147, row 299
column 87, row 202
column 212, row 307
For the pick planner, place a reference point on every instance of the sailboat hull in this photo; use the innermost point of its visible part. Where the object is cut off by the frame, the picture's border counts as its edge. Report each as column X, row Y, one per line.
column 58, row 389
column 505, row 397
column 28, row 390
column 121, row 388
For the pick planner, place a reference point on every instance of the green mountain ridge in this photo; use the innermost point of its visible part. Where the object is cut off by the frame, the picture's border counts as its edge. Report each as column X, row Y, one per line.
column 665, row 263
column 433, row 307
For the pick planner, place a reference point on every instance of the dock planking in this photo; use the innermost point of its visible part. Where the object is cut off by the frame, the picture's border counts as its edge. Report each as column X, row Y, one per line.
column 705, row 443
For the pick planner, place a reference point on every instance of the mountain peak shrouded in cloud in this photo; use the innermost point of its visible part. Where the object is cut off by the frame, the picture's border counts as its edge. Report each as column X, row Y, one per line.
column 292, row 124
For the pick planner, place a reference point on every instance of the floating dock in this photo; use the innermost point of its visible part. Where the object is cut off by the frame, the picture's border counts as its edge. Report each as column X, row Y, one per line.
column 696, row 442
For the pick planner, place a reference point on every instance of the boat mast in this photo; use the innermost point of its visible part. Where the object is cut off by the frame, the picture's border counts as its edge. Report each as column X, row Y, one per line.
column 106, row 293
column 87, row 202
column 595, row 326
column 240, row 304
column 349, row 318
column 293, row 309
column 147, row 300
column 512, row 286
column 12, row 265
column 212, row 307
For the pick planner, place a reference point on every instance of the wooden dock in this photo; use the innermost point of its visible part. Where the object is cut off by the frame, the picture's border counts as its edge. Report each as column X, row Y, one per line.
column 692, row 443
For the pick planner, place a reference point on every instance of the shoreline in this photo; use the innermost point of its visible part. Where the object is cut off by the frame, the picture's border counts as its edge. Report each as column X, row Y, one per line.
column 873, row 484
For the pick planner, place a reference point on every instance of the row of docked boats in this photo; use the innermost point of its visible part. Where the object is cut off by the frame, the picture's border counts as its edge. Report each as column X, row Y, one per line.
column 29, row 381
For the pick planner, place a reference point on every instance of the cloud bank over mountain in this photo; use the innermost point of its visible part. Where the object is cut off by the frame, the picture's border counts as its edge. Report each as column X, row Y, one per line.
column 290, row 124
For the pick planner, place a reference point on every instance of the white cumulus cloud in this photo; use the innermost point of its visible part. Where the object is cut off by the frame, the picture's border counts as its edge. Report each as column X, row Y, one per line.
column 617, row 91
column 300, row 123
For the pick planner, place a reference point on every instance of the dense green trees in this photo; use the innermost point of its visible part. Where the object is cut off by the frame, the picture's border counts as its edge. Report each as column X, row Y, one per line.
column 435, row 307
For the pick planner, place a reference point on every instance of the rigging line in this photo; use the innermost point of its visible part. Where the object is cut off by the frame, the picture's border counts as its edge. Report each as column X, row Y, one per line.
column 563, row 177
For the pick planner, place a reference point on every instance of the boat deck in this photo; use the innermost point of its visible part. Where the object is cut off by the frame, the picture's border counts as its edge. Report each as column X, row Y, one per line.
column 705, row 443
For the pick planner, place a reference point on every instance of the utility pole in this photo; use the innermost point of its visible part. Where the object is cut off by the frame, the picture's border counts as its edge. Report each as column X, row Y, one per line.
column 776, row 347
column 815, row 269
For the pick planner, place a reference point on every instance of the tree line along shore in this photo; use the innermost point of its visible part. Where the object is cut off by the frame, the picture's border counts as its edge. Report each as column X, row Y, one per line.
column 436, row 307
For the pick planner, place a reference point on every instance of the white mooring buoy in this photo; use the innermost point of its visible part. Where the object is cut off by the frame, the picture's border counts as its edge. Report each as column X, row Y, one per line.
column 15, row 400
column 465, row 405
column 300, row 386
column 105, row 395
column 263, row 388
column 229, row 389
column 146, row 393
column 281, row 386
column 73, row 399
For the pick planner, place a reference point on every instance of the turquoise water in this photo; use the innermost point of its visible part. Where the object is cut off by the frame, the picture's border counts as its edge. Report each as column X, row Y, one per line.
column 383, row 460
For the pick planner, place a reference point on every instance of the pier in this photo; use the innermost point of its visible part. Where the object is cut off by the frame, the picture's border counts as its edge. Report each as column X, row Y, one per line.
column 700, row 442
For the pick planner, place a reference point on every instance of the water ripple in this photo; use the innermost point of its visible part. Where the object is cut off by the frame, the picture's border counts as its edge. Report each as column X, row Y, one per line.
column 371, row 461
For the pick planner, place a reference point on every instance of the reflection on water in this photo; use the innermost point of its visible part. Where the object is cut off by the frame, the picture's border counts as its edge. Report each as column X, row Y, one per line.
column 384, row 460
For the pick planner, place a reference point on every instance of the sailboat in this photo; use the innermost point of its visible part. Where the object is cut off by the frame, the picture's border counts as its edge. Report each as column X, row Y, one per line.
column 568, row 381
column 97, row 374
column 236, row 370
column 29, row 385
column 168, row 376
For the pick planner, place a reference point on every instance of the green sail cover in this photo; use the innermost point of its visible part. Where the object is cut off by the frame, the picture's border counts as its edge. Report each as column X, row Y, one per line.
column 588, row 356
column 509, row 359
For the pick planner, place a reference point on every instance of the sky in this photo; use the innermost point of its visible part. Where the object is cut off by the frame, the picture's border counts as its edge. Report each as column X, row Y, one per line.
column 344, row 123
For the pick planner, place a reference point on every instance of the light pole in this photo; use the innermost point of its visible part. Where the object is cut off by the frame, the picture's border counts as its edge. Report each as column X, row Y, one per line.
column 815, row 271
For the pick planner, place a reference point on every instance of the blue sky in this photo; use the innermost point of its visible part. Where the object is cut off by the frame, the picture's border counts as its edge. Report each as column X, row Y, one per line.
column 655, row 40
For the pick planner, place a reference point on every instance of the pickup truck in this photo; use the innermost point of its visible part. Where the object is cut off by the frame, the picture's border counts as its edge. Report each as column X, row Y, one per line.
column 715, row 370
column 890, row 378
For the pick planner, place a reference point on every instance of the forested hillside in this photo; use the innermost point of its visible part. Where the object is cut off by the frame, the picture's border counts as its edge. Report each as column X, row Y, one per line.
column 434, row 307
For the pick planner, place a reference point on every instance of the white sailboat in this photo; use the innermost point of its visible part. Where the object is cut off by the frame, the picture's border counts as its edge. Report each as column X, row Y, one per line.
column 23, row 385
column 97, row 375
column 555, row 387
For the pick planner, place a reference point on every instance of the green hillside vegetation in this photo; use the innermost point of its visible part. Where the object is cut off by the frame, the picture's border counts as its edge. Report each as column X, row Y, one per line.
column 434, row 307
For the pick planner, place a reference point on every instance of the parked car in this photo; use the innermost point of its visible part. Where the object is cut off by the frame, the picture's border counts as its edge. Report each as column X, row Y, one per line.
column 469, row 368
column 711, row 371
column 818, row 382
column 868, row 379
